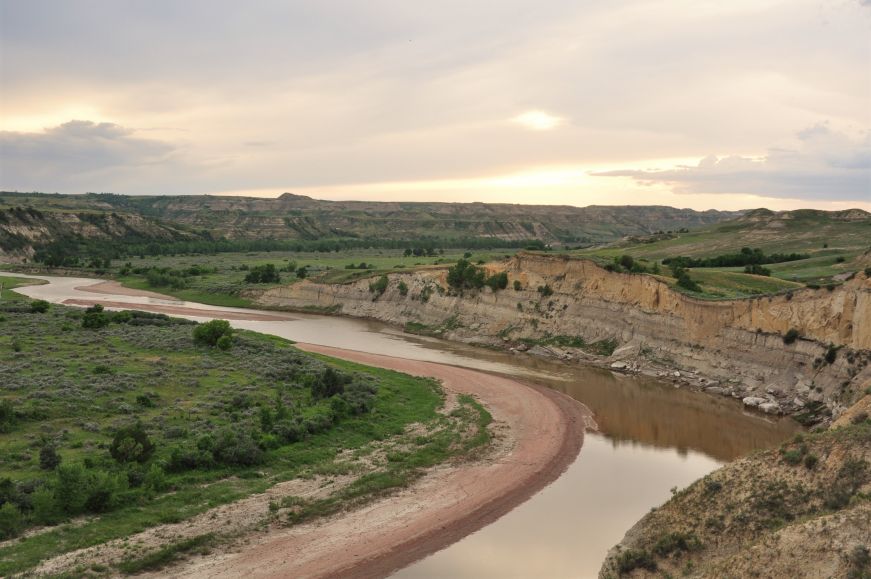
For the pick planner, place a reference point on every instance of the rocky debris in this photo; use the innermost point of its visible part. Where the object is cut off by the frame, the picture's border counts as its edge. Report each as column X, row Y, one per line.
column 619, row 365
column 771, row 408
column 753, row 401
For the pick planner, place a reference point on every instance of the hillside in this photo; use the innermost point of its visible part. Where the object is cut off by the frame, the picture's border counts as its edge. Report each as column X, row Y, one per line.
column 833, row 243
column 798, row 511
column 299, row 217
column 23, row 230
column 782, row 231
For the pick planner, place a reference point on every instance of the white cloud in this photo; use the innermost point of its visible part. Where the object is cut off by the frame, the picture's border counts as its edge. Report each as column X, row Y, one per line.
column 821, row 164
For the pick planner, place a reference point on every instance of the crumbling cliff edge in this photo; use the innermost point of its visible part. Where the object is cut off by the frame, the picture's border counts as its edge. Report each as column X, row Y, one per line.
column 563, row 305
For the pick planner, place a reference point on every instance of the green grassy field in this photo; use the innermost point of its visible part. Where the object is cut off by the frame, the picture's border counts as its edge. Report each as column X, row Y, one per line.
column 835, row 244
column 222, row 424
column 10, row 283
column 224, row 279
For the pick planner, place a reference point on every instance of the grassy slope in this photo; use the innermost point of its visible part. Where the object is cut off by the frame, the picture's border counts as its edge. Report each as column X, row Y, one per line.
column 61, row 375
column 834, row 247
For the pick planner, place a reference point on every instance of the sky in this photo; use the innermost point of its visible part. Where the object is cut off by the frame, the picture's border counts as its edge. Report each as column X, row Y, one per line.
column 691, row 103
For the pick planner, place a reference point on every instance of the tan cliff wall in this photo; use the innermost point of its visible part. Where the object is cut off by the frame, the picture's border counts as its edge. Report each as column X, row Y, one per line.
column 737, row 342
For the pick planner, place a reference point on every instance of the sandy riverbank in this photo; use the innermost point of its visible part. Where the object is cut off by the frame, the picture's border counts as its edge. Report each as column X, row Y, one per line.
column 181, row 310
column 542, row 434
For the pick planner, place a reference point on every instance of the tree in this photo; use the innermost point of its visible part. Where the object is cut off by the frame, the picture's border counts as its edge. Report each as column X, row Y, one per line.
column 39, row 306
column 497, row 281
column 263, row 274
column 626, row 261
column 71, row 490
column 131, row 444
column 464, row 276
column 210, row 332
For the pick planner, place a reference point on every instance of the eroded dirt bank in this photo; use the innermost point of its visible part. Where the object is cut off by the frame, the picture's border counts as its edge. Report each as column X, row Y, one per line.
column 730, row 347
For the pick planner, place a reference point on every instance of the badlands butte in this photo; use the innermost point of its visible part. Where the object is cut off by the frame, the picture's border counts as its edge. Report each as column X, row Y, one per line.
column 575, row 309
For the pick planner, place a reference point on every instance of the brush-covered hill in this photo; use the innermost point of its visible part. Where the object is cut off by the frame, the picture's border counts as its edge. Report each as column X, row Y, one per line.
column 24, row 229
column 298, row 217
column 773, row 231
column 802, row 510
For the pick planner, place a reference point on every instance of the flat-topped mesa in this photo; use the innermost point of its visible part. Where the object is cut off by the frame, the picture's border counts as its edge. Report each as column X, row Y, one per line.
column 736, row 347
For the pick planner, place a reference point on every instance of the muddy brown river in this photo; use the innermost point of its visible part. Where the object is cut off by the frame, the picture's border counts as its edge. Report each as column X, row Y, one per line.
column 652, row 437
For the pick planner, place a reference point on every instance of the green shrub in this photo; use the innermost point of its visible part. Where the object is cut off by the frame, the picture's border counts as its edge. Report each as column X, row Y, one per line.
column 45, row 508
column 263, row 274
column 464, row 275
column 225, row 342
column 329, row 383
column 39, row 306
column 498, row 281
column 71, row 491
column 210, row 332
column 831, row 354
column 49, row 459
column 545, row 290
column 790, row 336
column 155, row 479
column 517, row 285
column 676, row 542
column 380, row 286
column 792, row 457
column 11, row 521
column 8, row 419
column 633, row 559
column 236, row 449
column 102, row 491
column 810, row 461
column 95, row 318
column 859, row 417
column 403, row 288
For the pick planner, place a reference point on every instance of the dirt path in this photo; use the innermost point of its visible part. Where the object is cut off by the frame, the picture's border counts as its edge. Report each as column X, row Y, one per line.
column 545, row 431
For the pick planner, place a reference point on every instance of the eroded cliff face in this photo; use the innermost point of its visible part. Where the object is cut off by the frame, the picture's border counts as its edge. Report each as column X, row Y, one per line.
column 736, row 345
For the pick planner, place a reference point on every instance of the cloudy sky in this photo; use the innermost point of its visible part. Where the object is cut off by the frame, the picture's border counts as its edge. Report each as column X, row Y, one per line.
column 692, row 103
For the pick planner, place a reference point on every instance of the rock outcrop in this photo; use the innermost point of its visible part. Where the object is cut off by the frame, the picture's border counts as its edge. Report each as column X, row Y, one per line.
column 736, row 346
